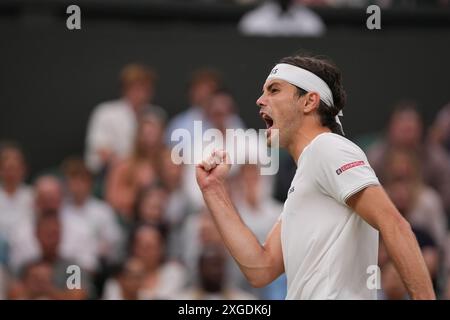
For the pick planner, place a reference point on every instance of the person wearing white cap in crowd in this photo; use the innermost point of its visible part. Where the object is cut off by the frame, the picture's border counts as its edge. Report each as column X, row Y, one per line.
column 326, row 238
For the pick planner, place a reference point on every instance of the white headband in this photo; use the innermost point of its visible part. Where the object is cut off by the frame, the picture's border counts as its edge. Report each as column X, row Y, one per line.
column 305, row 80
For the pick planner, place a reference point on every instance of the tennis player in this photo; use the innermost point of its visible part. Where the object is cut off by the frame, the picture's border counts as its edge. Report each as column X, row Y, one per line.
column 326, row 238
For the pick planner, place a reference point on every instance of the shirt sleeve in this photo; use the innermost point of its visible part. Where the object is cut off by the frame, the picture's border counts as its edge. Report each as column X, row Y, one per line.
column 99, row 132
column 342, row 169
column 98, row 137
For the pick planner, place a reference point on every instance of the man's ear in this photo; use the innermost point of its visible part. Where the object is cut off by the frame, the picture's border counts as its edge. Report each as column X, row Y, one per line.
column 312, row 101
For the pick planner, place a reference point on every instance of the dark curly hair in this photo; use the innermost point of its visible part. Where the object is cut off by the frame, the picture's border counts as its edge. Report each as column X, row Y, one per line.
column 328, row 72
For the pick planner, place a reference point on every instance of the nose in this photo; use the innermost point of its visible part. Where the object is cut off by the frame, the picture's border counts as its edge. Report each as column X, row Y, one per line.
column 261, row 101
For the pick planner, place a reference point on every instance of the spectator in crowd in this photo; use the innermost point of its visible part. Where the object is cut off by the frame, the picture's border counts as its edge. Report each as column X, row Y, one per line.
column 202, row 85
column 213, row 281
column 178, row 206
column 35, row 283
column 392, row 287
column 45, row 276
column 171, row 175
column 417, row 202
column 48, row 194
column 405, row 132
column 162, row 278
column 431, row 254
column 23, row 243
column 151, row 206
column 440, row 129
column 220, row 112
column 139, row 170
column 112, row 125
column 76, row 243
column 282, row 18
column 127, row 284
column 258, row 211
column 83, row 211
column 16, row 198
column 199, row 231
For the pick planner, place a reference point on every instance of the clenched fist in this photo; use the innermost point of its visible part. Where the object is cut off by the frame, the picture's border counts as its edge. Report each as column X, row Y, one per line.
column 213, row 170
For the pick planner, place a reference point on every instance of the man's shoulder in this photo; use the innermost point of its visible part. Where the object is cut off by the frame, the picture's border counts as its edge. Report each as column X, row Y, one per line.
column 328, row 143
column 110, row 107
column 177, row 118
column 184, row 119
column 332, row 149
column 157, row 111
column 99, row 208
column 23, row 192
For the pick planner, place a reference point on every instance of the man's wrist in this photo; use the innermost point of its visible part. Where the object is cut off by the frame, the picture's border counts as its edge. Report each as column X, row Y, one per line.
column 214, row 187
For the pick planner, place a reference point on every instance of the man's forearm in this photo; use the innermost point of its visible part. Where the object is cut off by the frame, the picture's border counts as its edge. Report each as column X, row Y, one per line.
column 243, row 245
column 402, row 247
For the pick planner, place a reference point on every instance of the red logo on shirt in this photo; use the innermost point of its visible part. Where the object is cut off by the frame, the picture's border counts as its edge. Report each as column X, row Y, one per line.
column 349, row 166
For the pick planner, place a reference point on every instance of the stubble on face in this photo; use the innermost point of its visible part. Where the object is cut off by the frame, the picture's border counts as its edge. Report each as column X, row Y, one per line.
column 280, row 111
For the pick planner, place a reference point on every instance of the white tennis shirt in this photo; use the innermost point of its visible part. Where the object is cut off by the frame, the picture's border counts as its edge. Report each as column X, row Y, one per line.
column 327, row 248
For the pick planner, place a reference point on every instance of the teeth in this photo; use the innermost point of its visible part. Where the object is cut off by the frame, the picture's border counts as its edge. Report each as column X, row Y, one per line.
column 268, row 120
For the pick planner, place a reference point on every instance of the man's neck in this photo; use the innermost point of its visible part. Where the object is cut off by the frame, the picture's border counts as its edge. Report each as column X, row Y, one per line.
column 303, row 137
column 135, row 107
column 79, row 201
column 198, row 106
column 10, row 189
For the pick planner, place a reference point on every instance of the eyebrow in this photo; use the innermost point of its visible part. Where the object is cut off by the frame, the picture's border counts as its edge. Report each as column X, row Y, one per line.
column 271, row 85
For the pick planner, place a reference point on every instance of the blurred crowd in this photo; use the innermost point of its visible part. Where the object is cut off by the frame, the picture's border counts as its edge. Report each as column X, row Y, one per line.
column 134, row 223
column 347, row 3
column 299, row 18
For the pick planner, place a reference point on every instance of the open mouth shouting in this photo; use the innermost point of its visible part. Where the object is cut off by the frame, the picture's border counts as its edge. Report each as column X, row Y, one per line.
column 269, row 122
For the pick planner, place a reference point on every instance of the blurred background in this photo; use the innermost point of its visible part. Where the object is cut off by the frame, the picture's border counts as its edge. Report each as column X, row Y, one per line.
column 86, row 116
